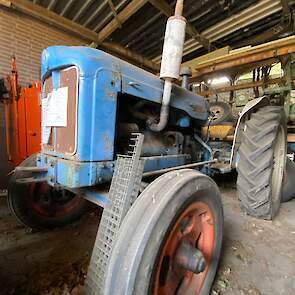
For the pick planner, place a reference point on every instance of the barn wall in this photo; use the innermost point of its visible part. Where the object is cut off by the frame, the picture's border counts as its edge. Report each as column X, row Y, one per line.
column 24, row 37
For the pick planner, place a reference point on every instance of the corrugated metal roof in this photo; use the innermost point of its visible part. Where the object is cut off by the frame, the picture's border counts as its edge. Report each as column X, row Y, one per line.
column 143, row 32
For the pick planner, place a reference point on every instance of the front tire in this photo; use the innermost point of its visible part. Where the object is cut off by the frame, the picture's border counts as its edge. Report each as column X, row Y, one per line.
column 39, row 206
column 262, row 162
column 180, row 206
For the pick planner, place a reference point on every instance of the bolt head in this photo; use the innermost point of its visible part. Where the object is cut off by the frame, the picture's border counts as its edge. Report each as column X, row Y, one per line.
column 201, row 265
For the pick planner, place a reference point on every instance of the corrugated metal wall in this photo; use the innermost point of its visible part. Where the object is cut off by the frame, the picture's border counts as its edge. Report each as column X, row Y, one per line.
column 24, row 37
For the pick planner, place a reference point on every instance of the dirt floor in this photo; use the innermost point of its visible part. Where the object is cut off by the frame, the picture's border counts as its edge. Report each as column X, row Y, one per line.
column 258, row 256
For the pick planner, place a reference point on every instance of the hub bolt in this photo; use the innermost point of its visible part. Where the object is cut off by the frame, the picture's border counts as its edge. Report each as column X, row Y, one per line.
column 190, row 258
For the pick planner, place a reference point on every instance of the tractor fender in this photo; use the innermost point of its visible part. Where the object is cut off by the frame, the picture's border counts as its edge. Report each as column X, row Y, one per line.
column 246, row 110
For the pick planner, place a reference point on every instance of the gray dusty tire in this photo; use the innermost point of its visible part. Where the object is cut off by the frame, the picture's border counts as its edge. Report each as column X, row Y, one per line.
column 262, row 157
column 22, row 202
column 147, row 229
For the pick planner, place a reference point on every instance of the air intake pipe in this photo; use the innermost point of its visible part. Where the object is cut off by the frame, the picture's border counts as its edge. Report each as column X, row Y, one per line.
column 171, row 61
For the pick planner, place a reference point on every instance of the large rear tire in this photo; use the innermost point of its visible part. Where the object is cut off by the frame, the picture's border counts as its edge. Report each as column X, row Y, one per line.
column 39, row 206
column 262, row 158
column 180, row 208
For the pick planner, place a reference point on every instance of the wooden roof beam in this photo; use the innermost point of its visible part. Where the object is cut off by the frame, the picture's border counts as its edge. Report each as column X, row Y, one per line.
column 244, row 57
column 51, row 4
column 267, row 35
column 285, row 6
column 166, row 9
column 114, row 11
column 53, row 19
column 122, row 17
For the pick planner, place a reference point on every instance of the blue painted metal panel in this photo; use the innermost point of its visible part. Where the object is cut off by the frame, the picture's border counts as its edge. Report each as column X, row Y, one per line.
column 161, row 162
column 55, row 79
column 95, row 196
column 147, row 86
column 101, row 78
column 291, row 146
column 97, row 117
column 74, row 174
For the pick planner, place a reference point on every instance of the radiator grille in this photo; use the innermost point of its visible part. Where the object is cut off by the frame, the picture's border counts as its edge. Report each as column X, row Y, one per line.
column 63, row 139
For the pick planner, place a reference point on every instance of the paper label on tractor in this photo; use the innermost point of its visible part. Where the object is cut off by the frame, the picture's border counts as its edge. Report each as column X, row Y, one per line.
column 46, row 131
column 54, row 108
column 44, row 109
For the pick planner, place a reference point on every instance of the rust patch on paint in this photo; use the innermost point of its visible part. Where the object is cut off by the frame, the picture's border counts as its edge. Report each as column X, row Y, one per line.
column 197, row 108
column 108, row 146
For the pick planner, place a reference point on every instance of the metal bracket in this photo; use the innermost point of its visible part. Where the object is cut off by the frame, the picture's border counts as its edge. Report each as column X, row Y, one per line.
column 31, row 169
column 30, row 180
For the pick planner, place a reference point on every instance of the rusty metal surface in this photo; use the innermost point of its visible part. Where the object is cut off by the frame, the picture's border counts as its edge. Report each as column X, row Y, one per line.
column 66, row 136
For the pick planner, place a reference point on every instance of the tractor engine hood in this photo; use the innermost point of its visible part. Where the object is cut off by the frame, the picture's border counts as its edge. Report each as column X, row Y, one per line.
column 87, row 82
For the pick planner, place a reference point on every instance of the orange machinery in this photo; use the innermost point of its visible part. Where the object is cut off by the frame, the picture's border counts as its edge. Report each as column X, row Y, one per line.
column 22, row 116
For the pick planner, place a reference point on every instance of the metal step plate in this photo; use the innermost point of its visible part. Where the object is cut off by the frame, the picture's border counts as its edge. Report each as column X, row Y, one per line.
column 124, row 190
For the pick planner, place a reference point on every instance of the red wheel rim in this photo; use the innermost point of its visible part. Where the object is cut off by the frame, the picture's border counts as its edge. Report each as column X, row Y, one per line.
column 195, row 226
column 54, row 207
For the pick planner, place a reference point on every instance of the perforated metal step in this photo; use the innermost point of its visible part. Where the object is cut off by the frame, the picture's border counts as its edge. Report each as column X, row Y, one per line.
column 124, row 190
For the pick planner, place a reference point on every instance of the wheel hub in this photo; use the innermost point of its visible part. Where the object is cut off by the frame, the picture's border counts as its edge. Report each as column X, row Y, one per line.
column 50, row 202
column 190, row 258
column 186, row 254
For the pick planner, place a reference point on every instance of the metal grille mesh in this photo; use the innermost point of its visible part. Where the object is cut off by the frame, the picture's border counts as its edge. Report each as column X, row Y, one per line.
column 123, row 192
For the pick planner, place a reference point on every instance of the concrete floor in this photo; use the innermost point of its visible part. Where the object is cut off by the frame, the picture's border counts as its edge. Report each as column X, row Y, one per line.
column 258, row 256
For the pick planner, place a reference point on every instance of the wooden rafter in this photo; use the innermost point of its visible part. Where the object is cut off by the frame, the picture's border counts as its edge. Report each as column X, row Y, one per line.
column 241, row 86
column 113, row 8
column 286, row 7
column 60, row 22
column 267, row 35
column 245, row 57
column 123, row 16
column 166, row 9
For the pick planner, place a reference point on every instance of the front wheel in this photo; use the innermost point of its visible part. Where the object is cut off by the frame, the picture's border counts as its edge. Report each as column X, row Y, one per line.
column 40, row 206
column 170, row 240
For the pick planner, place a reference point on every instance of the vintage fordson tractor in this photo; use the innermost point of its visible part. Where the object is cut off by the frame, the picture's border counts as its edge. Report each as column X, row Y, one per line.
column 170, row 240
column 92, row 103
column 103, row 100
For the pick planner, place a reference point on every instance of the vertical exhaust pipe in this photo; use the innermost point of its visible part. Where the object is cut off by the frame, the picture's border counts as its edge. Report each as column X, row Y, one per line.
column 171, row 61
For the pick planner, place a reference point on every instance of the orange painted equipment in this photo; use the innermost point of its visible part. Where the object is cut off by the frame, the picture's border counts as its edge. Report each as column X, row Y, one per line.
column 22, row 118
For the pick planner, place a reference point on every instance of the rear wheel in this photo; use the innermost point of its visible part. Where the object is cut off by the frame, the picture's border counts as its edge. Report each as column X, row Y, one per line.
column 40, row 206
column 170, row 240
column 262, row 162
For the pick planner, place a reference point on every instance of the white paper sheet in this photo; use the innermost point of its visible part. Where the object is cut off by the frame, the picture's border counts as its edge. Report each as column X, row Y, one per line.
column 54, row 108
column 44, row 109
column 46, row 131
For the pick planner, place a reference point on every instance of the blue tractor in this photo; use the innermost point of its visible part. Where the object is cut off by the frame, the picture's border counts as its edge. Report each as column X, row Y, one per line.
column 103, row 101
column 166, row 240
